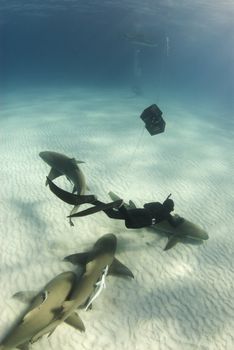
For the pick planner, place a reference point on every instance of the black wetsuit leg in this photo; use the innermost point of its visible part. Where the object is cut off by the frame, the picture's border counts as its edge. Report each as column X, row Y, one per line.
column 111, row 213
column 136, row 218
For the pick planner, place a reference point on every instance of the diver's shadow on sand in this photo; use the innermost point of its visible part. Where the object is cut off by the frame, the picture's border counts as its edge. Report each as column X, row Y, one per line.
column 29, row 211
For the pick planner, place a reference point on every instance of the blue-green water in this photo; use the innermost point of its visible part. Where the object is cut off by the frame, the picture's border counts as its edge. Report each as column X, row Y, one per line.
column 84, row 43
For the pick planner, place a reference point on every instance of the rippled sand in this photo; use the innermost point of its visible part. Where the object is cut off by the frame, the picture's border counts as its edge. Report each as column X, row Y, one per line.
column 180, row 299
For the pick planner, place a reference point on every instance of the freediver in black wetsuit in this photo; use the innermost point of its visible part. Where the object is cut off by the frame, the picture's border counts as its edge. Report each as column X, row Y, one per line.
column 151, row 214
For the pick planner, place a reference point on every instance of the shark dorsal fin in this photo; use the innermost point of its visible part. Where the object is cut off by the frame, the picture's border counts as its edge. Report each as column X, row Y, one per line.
column 119, row 269
column 25, row 296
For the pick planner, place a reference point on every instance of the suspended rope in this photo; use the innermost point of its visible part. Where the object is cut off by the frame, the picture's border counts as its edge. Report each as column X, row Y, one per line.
column 128, row 167
column 132, row 158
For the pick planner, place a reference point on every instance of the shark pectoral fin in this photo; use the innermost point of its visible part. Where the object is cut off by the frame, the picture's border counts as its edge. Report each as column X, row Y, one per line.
column 79, row 258
column 119, row 269
column 25, row 296
column 31, row 314
column 53, row 174
column 172, row 241
column 40, row 299
column 24, row 346
column 75, row 321
column 77, row 161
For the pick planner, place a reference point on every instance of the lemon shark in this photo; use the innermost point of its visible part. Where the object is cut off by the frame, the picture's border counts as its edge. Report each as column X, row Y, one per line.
column 94, row 264
column 44, row 316
column 41, row 311
column 186, row 229
column 63, row 165
column 60, row 299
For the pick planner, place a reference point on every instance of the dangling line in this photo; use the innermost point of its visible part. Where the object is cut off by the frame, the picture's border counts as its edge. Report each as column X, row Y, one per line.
column 136, row 148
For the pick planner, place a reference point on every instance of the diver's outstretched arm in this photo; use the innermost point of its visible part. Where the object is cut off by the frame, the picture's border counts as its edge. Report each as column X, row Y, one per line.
column 175, row 222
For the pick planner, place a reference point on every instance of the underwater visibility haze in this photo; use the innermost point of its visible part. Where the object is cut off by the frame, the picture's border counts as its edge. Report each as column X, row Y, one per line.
column 75, row 78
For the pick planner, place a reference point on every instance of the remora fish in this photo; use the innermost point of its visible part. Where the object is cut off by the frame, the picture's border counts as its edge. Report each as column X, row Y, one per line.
column 41, row 312
column 63, row 165
column 184, row 230
column 94, row 262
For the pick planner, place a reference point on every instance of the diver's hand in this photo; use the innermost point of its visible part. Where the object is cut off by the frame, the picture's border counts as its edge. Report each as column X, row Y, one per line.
column 179, row 221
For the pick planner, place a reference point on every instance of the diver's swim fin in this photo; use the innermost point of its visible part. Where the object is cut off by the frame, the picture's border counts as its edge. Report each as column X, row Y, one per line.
column 70, row 198
column 97, row 208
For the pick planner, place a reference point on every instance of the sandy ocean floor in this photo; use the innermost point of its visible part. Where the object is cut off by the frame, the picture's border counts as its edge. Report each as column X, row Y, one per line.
column 179, row 299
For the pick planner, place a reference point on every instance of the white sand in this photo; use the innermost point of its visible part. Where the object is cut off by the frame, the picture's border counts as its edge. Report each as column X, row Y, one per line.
column 180, row 299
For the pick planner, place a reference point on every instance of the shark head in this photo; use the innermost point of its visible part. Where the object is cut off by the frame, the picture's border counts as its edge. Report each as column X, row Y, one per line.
column 106, row 244
column 50, row 157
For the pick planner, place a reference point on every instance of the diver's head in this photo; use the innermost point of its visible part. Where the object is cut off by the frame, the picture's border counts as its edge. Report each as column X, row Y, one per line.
column 168, row 205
